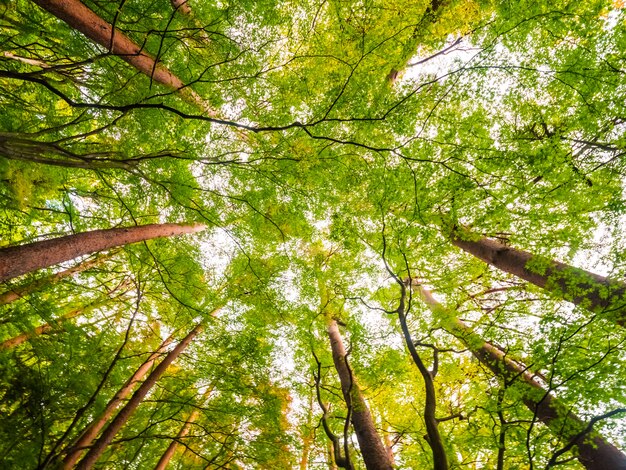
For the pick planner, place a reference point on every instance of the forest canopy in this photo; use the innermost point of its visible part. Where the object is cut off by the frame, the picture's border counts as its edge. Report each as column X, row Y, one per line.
column 314, row 234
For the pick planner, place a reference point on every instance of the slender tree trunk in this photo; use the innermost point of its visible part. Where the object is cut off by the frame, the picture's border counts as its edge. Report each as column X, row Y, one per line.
column 80, row 17
column 47, row 327
column 591, row 291
column 18, row 260
column 307, row 436
column 389, row 446
column 591, row 449
column 330, row 456
column 440, row 458
column 373, row 451
column 171, row 449
column 22, row 291
column 91, row 431
column 306, row 450
column 126, row 412
column 181, row 6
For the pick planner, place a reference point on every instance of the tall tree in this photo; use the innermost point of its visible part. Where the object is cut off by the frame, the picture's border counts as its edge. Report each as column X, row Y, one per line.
column 440, row 458
column 374, row 453
column 18, row 292
column 591, row 449
column 591, row 291
column 79, row 16
column 22, row 259
column 184, row 430
column 88, row 435
column 122, row 416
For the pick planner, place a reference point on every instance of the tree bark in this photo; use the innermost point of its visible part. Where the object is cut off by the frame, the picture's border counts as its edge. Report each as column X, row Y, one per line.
column 126, row 412
column 591, row 449
column 18, row 260
column 389, row 447
column 91, row 431
column 591, row 291
column 22, row 291
column 81, row 18
column 374, row 453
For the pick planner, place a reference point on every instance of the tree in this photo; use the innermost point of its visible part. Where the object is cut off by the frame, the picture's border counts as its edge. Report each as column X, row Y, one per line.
column 335, row 149
column 593, row 451
column 18, row 260
column 592, row 291
column 122, row 416
column 374, row 453
column 88, row 435
column 18, row 292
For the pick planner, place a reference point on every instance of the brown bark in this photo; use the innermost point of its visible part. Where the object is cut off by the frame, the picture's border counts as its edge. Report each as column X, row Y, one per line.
column 589, row 290
column 389, row 446
column 591, row 449
column 48, row 327
column 171, row 449
column 18, row 260
column 91, row 431
column 22, row 291
column 372, row 449
column 81, row 18
column 126, row 412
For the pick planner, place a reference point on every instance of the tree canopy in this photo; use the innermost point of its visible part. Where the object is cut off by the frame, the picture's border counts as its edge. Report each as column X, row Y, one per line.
column 344, row 159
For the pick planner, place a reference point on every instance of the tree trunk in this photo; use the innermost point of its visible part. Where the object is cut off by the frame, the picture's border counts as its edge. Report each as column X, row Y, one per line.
column 593, row 451
column 440, row 458
column 389, row 446
column 47, row 327
column 308, row 436
column 81, row 18
column 91, row 431
column 22, row 291
column 373, row 451
column 18, row 260
column 126, row 412
column 591, row 291
column 330, row 456
column 169, row 453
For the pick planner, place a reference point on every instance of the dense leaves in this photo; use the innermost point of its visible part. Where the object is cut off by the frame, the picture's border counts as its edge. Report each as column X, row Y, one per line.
column 331, row 148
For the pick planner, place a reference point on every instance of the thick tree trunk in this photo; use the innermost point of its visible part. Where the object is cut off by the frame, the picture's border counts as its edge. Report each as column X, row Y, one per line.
column 18, row 260
column 374, row 453
column 47, row 327
column 91, row 431
column 593, row 451
column 591, row 291
column 126, row 412
column 22, row 291
column 80, row 17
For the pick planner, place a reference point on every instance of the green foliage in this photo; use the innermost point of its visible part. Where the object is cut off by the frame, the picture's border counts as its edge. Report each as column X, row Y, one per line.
column 330, row 147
